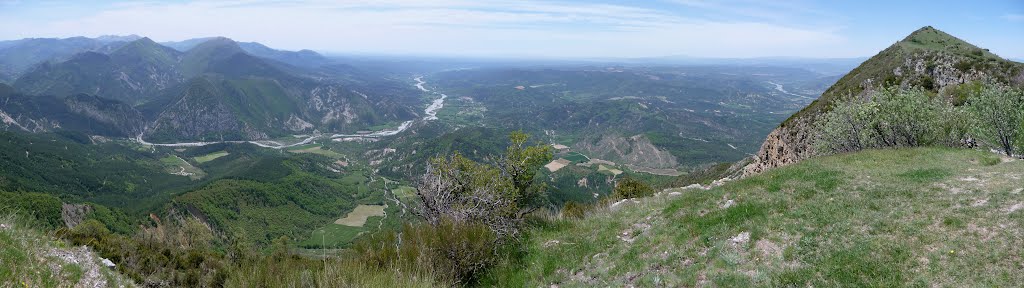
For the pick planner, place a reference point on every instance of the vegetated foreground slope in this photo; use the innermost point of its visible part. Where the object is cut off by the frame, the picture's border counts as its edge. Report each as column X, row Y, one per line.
column 29, row 258
column 884, row 218
column 928, row 59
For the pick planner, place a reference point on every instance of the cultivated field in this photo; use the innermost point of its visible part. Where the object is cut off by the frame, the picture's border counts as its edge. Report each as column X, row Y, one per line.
column 557, row 164
column 177, row 166
column 210, row 157
column 358, row 217
column 319, row 151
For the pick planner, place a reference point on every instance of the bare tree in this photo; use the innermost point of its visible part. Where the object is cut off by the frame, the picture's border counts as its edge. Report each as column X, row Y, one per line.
column 497, row 195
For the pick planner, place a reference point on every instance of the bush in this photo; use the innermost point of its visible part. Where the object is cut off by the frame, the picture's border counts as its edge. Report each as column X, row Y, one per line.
column 455, row 253
column 573, row 210
column 999, row 114
column 631, row 188
column 890, row 118
column 496, row 195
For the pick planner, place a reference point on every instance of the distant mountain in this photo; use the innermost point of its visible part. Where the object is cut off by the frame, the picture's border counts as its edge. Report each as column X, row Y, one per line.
column 927, row 58
column 133, row 73
column 301, row 58
column 79, row 112
column 824, row 66
column 218, row 91
column 18, row 56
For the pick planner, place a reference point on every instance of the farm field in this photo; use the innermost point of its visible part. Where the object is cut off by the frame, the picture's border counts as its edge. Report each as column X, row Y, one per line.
column 210, row 157
column 177, row 166
column 317, row 149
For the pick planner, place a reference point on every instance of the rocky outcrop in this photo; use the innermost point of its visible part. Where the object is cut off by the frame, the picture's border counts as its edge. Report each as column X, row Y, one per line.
column 785, row 145
column 74, row 214
column 634, row 151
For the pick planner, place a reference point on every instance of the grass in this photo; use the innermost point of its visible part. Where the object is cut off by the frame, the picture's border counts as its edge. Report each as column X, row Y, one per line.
column 177, row 166
column 26, row 259
column 334, row 235
column 613, row 171
column 891, row 218
column 576, row 157
column 210, row 157
column 404, row 193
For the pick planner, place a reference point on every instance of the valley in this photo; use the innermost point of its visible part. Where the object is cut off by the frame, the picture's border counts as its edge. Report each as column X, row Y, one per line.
column 215, row 162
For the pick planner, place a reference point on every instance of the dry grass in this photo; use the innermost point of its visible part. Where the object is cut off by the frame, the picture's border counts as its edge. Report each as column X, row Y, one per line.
column 557, row 164
column 358, row 216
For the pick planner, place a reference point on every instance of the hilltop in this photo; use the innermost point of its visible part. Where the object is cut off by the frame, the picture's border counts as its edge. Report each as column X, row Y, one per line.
column 927, row 58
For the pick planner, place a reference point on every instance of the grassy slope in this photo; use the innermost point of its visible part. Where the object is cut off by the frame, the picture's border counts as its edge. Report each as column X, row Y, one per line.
column 876, row 218
column 29, row 258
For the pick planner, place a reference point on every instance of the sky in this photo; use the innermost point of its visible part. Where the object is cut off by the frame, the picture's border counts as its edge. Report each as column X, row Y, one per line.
column 543, row 29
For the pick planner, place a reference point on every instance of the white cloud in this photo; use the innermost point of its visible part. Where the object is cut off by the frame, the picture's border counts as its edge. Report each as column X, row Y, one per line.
column 453, row 27
column 1014, row 17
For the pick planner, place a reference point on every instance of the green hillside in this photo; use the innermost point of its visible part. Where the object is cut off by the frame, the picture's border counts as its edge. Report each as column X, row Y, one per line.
column 882, row 218
column 937, row 50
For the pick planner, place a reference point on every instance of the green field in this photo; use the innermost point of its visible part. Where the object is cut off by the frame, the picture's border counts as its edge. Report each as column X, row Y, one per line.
column 210, row 157
column 316, row 149
column 888, row 218
column 177, row 166
column 404, row 193
column 576, row 157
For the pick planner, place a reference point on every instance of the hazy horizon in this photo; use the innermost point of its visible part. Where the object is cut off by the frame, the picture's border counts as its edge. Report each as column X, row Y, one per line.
column 737, row 29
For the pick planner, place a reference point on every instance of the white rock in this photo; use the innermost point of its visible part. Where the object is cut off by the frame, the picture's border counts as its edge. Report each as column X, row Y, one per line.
column 742, row 238
column 107, row 262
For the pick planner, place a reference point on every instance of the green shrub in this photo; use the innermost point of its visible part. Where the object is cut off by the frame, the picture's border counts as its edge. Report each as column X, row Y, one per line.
column 890, row 118
column 999, row 114
column 631, row 188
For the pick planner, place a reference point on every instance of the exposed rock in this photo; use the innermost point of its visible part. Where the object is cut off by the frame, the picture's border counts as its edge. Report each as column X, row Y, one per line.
column 635, row 151
column 741, row 239
column 74, row 214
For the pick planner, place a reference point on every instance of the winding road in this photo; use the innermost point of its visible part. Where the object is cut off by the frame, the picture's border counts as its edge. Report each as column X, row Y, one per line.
column 430, row 111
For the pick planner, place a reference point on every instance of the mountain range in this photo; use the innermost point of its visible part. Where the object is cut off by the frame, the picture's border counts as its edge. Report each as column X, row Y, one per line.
column 216, row 89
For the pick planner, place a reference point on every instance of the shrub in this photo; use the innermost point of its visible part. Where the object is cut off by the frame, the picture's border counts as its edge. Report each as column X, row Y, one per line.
column 890, row 118
column 496, row 195
column 631, row 188
column 454, row 252
column 573, row 210
column 999, row 114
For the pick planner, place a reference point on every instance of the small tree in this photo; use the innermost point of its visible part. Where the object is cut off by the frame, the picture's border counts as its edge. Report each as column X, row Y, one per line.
column 999, row 113
column 498, row 195
column 889, row 118
column 632, row 188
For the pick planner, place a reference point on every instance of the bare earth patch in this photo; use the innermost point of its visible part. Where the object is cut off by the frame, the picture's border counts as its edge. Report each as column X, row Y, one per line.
column 557, row 164
column 357, row 217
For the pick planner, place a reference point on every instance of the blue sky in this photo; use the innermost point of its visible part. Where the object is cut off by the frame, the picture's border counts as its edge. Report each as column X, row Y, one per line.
column 563, row 29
